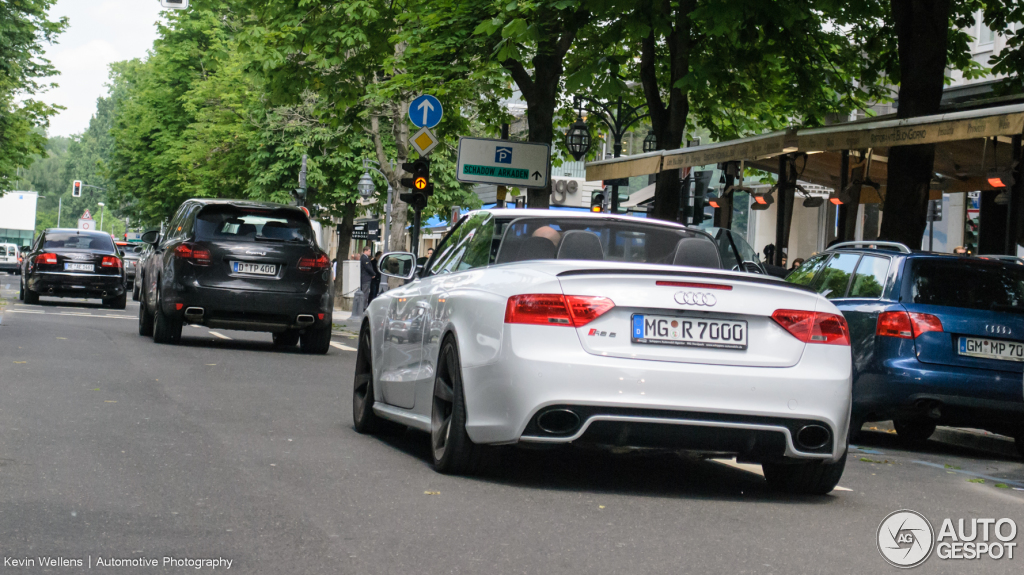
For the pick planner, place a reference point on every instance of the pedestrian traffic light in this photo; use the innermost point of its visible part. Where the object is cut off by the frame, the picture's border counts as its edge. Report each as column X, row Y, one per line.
column 76, row 189
column 597, row 202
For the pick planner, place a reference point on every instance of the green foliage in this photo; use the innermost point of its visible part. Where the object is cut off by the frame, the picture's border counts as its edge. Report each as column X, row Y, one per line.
column 24, row 28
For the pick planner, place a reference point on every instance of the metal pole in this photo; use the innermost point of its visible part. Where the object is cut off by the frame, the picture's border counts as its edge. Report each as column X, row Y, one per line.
column 501, row 192
column 1013, row 209
column 780, row 207
column 103, row 210
column 844, row 180
column 60, row 204
column 931, row 232
column 416, row 232
column 617, row 152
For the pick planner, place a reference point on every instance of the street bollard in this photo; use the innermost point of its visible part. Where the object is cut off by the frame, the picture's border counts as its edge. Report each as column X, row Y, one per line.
column 358, row 303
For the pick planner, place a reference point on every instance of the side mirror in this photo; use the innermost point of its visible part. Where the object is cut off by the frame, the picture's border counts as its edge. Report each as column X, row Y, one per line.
column 152, row 237
column 401, row 265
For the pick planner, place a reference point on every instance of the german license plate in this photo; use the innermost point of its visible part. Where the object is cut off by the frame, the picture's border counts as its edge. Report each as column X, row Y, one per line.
column 258, row 269
column 78, row 267
column 689, row 331
column 991, row 348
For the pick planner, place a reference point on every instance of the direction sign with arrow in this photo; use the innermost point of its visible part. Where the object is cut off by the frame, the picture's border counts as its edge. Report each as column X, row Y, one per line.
column 426, row 111
column 504, row 163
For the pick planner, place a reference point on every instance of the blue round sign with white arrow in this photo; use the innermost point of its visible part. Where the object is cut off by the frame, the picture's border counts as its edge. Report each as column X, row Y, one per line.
column 425, row 111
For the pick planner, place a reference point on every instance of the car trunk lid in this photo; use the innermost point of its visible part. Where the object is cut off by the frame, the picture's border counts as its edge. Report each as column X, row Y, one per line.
column 705, row 300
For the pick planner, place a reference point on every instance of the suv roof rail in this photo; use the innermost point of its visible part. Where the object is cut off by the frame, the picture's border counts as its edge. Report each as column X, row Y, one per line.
column 902, row 248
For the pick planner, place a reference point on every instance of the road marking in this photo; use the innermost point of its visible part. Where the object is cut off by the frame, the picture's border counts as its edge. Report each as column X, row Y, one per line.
column 755, row 468
column 972, row 474
column 220, row 335
column 23, row 311
column 343, row 347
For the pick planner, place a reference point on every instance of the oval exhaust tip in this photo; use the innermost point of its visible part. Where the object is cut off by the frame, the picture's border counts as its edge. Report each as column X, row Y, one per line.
column 558, row 421
column 813, row 437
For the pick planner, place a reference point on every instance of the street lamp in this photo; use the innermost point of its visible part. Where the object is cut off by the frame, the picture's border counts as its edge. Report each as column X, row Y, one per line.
column 365, row 185
column 650, row 142
column 101, row 204
column 619, row 117
column 577, row 139
column 366, row 189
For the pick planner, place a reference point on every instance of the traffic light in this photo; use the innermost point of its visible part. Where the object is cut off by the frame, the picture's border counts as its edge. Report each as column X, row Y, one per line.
column 76, row 189
column 419, row 185
column 597, row 202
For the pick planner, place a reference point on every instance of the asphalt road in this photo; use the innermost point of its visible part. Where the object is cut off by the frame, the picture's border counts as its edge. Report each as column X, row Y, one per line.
column 224, row 447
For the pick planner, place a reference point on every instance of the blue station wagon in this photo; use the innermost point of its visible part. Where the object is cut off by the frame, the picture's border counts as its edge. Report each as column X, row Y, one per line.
column 936, row 339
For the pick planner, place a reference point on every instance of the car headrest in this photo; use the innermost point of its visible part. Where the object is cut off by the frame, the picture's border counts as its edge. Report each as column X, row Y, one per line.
column 697, row 252
column 246, row 230
column 278, row 231
column 536, row 249
column 508, row 251
column 580, row 245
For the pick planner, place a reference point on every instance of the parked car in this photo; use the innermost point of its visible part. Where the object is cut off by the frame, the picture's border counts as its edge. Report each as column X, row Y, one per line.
column 9, row 258
column 73, row 263
column 130, row 254
column 937, row 339
column 544, row 328
column 240, row 265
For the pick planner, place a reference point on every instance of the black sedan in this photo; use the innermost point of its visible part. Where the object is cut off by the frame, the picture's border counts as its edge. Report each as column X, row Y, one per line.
column 241, row 265
column 73, row 263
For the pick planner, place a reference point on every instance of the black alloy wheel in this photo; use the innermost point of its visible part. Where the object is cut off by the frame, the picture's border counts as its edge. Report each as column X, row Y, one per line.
column 452, row 449
column 286, row 338
column 364, row 420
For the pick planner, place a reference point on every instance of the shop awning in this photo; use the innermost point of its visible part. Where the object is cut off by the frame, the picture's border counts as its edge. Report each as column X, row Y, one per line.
column 964, row 151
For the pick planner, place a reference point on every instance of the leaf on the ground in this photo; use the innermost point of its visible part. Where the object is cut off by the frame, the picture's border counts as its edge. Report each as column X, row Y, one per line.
column 1002, row 486
column 948, row 466
column 976, row 480
column 431, row 492
column 21, row 362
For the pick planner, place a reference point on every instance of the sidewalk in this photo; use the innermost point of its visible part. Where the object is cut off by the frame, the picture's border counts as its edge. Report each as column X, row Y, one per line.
column 344, row 325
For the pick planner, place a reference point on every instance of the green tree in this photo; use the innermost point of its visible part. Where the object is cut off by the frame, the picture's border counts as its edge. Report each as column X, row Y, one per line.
column 24, row 28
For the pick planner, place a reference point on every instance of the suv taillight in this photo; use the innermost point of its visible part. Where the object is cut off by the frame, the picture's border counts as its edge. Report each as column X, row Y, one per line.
column 814, row 327
column 312, row 265
column 556, row 309
column 906, row 325
column 50, row 259
column 195, row 254
column 110, row 262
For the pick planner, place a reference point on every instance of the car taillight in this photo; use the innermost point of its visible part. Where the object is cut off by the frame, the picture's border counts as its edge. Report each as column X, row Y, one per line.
column 556, row 309
column 110, row 262
column 194, row 254
column 814, row 327
column 46, row 259
column 906, row 325
column 313, row 264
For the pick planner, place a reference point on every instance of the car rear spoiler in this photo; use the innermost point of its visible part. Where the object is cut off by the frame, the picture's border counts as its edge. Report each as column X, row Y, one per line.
column 748, row 278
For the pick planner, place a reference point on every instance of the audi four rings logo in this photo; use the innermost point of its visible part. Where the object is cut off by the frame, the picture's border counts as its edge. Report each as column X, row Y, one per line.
column 997, row 329
column 696, row 298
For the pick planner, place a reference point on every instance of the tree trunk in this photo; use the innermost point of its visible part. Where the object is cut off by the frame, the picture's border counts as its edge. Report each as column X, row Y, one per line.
column 922, row 29
column 344, row 242
column 668, row 121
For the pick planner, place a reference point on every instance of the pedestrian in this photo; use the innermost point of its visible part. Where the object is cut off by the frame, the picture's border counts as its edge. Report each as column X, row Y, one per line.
column 423, row 260
column 797, row 263
column 375, row 282
column 366, row 272
column 960, row 251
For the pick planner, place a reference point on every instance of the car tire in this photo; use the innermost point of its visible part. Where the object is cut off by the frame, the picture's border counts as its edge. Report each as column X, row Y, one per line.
column 316, row 340
column 856, row 424
column 805, row 478
column 21, row 290
column 286, row 338
column 451, row 449
column 1019, row 440
column 364, row 420
column 913, row 431
column 166, row 329
column 31, row 297
column 135, row 291
column 120, row 302
column 145, row 320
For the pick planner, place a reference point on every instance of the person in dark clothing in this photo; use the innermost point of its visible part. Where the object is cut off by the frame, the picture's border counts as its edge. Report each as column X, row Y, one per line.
column 366, row 271
column 375, row 282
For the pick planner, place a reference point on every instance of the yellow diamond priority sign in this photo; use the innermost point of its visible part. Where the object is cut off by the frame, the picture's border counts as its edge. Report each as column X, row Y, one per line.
column 424, row 141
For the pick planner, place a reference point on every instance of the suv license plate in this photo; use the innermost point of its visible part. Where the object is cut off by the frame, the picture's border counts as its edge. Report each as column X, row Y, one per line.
column 78, row 267
column 991, row 348
column 258, row 269
column 690, row 332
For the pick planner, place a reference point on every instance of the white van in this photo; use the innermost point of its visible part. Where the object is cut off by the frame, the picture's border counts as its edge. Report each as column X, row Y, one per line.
column 9, row 259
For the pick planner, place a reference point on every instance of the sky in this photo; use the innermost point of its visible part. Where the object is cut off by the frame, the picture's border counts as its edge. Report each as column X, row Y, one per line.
column 100, row 32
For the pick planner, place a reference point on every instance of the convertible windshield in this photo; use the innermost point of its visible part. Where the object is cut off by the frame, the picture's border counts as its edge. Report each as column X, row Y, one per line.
column 597, row 239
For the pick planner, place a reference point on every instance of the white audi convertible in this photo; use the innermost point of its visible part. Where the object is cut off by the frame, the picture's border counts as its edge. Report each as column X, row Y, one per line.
column 548, row 327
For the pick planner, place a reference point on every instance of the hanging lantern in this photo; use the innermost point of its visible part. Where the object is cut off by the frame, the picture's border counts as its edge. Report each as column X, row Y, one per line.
column 650, row 142
column 577, row 139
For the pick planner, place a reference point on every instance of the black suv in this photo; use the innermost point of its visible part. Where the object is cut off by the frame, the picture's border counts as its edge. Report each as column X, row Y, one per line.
column 73, row 263
column 242, row 265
